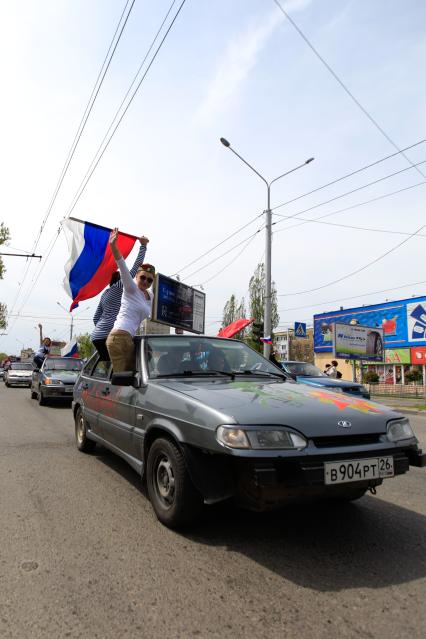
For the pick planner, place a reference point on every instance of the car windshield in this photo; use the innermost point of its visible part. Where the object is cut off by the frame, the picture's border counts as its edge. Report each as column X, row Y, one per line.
column 63, row 364
column 21, row 366
column 172, row 356
column 304, row 369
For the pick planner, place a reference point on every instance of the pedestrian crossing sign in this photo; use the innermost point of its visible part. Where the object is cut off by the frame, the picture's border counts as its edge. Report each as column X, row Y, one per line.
column 299, row 329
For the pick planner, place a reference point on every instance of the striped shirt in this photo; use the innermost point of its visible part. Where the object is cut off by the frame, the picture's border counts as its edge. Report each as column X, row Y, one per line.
column 110, row 302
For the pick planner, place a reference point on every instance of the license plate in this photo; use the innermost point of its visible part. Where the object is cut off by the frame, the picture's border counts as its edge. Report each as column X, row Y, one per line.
column 341, row 472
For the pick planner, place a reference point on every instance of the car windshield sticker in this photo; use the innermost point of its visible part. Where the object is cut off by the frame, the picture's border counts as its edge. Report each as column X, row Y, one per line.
column 342, row 402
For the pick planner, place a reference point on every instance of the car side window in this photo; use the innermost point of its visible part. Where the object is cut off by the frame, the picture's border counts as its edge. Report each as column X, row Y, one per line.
column 102, row 370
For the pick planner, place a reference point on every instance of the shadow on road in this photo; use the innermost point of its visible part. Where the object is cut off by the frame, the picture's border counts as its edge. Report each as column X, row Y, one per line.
column 327, row 547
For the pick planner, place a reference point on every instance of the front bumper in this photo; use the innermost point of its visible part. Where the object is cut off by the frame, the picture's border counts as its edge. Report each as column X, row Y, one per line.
column 19, row 381
column 266, row 483
column 51, row 391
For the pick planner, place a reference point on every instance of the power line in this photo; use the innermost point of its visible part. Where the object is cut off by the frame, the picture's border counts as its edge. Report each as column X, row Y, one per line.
column 97, row 158
column 246, row 245
column 344, row 87
column 338, row 197
column 88, row 109
column 86, row 180
column 348, row 175
column 349, row 208
column 362, row 268
column 352, row 297
column 241, row 228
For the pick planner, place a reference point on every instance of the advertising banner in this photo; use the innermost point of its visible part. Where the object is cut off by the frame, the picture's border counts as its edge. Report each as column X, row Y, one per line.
column 178, row 305
column 397, row 356
column 418, row 355
column 358, row 342
column 403, row 323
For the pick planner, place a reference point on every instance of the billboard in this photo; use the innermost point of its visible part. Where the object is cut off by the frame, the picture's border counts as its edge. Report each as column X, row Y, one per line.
column 397, row 356
column 178, row 305
column 403, row 323
column 352, row 341
column 418, row 355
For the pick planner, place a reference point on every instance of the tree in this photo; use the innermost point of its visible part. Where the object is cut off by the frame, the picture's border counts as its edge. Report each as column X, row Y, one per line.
column 4, row 237
column 257, row 303
column 85, row 346
column 413, row 375
column 233, row 311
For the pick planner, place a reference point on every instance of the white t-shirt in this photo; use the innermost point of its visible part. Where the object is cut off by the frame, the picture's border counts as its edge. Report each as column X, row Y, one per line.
column 134, row 305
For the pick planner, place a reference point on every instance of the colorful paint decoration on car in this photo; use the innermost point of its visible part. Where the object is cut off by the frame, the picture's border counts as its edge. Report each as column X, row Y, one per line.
column 326, row 397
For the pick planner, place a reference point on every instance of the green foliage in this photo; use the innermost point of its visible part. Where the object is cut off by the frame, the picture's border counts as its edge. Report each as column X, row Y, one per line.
column 3, row 356
column 4, row 237
column 85, row 346
column 413, row 376
column 3, row 313
column 233, row 311
column 370, row 377
column 257, row 304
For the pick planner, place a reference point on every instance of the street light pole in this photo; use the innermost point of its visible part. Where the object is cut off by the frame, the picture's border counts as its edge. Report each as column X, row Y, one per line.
column 72, row 319
column 267, row 313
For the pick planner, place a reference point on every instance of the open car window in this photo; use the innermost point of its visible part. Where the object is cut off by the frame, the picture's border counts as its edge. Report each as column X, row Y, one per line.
column 102, row 370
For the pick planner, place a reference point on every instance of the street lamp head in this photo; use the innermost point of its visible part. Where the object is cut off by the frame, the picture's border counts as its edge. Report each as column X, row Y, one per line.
column 225, row 142
column 310, row 160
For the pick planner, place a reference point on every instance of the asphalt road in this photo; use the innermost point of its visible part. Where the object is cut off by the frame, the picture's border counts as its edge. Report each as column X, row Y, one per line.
column 82, row 555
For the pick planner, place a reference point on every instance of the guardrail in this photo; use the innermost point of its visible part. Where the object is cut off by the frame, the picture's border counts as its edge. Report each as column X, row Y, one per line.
column 397, row 390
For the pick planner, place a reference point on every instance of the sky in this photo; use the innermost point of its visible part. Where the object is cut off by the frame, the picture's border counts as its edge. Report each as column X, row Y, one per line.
column 230, row 68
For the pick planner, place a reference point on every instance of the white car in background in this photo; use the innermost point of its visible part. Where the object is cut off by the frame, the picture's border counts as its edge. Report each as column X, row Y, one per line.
column 19, row 374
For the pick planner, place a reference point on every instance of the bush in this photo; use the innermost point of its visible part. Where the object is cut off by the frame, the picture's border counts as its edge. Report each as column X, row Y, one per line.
column 413, row 376
column 371, row 377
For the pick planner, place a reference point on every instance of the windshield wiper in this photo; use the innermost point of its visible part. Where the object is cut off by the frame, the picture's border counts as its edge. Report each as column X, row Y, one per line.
column 263, row 374
column 189, row 373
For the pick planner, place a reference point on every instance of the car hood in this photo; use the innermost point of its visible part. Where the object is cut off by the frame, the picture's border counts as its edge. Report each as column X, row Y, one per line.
column 328, row 381
column 68, row 377
column 314, row 412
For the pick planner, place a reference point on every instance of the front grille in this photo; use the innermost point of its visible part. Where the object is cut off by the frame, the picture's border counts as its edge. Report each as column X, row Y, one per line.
column 346, row 440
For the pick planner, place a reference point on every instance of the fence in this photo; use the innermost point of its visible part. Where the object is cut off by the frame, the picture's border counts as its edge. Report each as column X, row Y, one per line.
column 398, row 390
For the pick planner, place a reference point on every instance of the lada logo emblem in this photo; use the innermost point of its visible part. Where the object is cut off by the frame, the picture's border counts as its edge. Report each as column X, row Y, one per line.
column 344, row 424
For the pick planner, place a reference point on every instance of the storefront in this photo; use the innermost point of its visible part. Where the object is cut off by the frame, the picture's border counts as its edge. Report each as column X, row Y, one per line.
column 404, row 335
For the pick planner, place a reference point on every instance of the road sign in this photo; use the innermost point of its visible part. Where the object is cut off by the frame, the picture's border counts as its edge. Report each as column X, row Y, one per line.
column 299, row 329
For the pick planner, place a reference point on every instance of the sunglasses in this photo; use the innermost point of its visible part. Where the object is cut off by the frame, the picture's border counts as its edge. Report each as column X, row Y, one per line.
column 144, row 278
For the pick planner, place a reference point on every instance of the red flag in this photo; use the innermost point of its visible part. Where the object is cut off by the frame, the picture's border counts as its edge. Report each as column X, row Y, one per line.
column 234, row 328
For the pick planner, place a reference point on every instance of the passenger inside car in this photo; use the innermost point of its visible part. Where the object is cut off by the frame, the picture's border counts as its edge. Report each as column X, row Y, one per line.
column 217, row 361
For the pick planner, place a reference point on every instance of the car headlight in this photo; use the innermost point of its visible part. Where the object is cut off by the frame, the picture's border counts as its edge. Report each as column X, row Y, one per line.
column 399, row 430
column 52, row 382
column 262, row 439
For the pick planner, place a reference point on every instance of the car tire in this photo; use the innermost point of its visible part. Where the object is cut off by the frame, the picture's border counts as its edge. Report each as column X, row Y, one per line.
column 33, row 394
column 84, row 444
column 7, row 384
column 173, row 496
column 41, row 399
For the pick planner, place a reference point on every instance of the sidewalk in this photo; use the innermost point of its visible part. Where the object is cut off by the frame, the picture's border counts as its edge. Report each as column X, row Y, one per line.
column 416, row 406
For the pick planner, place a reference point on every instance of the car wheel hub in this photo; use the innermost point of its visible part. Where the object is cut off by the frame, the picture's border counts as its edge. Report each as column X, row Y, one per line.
column 165, row 481
column 80, row 430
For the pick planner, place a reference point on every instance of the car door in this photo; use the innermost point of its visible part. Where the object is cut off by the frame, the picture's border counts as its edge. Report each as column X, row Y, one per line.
column 116, row 416
column 91, row 385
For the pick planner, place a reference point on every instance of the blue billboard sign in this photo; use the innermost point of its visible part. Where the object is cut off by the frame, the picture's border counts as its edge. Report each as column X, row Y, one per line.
column 403, row 323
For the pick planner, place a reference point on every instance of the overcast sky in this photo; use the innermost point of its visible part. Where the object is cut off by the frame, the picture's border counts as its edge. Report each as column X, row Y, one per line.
column 232, row 68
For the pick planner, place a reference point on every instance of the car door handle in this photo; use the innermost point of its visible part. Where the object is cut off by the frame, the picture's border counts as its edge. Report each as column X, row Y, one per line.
column 85, row 386
column 105, row 391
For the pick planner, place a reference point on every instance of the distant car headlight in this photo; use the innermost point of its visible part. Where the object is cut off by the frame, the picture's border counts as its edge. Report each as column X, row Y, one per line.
column 400, row 430
column 52, row 382
column 262, row 439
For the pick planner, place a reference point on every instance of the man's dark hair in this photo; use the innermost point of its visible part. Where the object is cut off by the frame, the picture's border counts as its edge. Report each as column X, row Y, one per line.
column 115, row 277
column 334, row 362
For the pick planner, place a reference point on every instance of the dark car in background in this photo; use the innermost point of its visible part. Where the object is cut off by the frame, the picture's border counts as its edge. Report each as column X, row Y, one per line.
column 18, row 374
column 56, row 379
column 205, row 419
column 307, row 373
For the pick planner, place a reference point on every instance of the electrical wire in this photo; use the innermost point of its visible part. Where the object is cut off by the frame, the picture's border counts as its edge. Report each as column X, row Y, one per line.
column 348, row 175
column 344, row 87
column 226, row 253
column 338, row 197
column 246, row 245
column 241, row 228
column 352, row 297
column 106, row 140
column 86, row 179
column 87, row 111
column 358, row 270
column 349, row 208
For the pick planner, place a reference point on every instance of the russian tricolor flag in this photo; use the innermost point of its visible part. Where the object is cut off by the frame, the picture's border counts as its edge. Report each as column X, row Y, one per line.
column 91, row 263
column 70, row 349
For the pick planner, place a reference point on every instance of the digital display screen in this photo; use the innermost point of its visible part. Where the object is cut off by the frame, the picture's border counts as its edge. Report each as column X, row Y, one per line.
column 178, row 305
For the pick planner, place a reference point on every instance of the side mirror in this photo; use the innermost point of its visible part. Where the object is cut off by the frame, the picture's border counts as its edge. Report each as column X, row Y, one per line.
column 126, row 378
